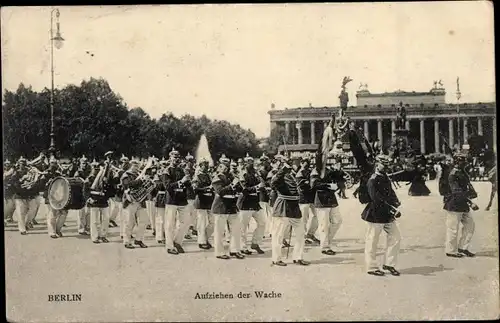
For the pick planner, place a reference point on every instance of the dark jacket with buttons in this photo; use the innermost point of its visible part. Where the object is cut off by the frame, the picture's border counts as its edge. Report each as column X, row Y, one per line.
column 324, row 196
column 460, row 192
column 176, row 191
column 204, row 194
column 249, row 197
column 226, row 195
column 287, row 201
column 306, row 194
column 382, row 195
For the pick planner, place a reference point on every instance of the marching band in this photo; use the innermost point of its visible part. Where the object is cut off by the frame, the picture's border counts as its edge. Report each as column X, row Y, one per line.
column 173, row 196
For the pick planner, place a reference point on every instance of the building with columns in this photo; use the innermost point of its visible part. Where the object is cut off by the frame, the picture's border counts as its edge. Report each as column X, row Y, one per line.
column 428, row 115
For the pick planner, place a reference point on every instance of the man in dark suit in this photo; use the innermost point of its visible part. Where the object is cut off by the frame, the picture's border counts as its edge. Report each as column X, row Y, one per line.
column 379, row 215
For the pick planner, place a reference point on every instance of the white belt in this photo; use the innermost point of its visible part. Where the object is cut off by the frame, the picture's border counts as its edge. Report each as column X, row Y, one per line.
column 288, row 197
column 253, row 194
column 97, row 193
column 178, row 190
column 208, row 194
column 161, row 192
column 229, row 196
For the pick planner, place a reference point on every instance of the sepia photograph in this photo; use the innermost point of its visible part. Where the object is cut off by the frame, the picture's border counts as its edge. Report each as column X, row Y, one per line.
column 250, row 162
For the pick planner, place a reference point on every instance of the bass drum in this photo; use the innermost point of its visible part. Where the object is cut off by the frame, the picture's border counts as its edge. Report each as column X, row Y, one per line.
column 67, row 193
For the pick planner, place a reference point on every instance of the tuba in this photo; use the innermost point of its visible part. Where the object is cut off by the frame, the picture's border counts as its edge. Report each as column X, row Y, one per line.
column 32, row 178
column 147, row 186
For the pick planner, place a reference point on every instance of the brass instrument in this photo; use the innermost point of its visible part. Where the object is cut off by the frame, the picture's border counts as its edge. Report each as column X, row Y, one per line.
column 98, row 184
column 147, row 186
column 31, row 178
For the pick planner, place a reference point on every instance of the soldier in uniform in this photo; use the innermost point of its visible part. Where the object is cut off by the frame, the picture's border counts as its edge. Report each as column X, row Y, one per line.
column 117, row 210
column 176, row 209
column 150, row 204
column 286, row 211
column 134, row 212
column 458, row 204
column 379, row 215
column 248, row 206
column 327, row 207
column 226, row 188
column 263, row 171
column 8, row 197
column 83, row 219
column 204, row 197
column 241, row 165
column 24, row 198
column 306, row 200
column 189, row 169
column 98, row 203
column 55, row 218
column 160, row 200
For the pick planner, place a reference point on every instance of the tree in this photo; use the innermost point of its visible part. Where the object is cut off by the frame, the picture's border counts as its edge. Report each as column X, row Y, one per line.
column 91, row 119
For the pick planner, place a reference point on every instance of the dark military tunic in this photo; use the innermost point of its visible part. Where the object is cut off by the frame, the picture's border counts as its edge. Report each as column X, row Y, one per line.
column 460, row 192
column 264, row 194
column 225, row 196
column 176, row 191
column 306, row 195
column 272, row 193
column 204, row 195
column 382, row 195
column 324, row 196
column 249, row 197
column 287, row 201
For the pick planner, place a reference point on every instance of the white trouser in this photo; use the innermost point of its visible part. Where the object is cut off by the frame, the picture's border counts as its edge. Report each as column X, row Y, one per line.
column 266, row 210
column 258, row 234
column 99, row 222
column 453, row 220
column 308, row 213
column 221, row 221
column 160, row 223
column 8, row 208
column 176, row 224
column 193, row 218
column 115, row 209
column 280, row 224
column 24, row 207
column 312, row 223
column 204, row 225
column 31, row 215
column 56, row 219
column 329, row 220
column 83, row 219
column 135, row 216
column 150, row 208
column 391, row 249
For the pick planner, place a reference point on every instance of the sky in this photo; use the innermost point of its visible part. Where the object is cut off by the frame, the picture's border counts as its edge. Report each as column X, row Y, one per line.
column 232, row 62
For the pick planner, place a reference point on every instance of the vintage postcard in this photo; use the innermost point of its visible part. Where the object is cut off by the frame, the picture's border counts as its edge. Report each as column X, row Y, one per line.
column 250, row 162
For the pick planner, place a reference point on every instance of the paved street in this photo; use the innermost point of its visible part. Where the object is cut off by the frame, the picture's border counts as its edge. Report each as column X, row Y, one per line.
column 117, row 284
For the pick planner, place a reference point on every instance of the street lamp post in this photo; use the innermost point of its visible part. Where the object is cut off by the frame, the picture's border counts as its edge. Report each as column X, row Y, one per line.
column 56, row 41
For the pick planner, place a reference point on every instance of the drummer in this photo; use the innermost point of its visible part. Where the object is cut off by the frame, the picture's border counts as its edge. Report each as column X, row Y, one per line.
column 55, row 218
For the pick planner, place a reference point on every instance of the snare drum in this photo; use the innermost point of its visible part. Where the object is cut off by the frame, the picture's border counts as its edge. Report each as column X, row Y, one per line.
column 67, row 193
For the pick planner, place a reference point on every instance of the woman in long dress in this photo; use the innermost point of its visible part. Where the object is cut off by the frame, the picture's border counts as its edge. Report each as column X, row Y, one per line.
column 418, row 187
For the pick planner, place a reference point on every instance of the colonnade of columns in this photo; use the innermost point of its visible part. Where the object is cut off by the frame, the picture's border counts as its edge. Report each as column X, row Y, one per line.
column 299, row 125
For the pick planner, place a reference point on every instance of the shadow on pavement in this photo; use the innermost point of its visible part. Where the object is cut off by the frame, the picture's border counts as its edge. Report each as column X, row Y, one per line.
column 419, row 247
column 423, row 270
column 333, row 260
column 487, row 253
